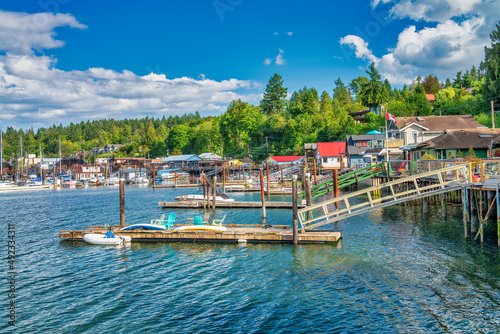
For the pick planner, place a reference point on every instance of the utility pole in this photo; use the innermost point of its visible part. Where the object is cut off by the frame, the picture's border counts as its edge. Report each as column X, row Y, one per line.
column 492, row 115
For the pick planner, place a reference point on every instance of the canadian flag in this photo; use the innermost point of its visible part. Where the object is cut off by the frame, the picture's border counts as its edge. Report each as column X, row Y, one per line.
column 390, row 117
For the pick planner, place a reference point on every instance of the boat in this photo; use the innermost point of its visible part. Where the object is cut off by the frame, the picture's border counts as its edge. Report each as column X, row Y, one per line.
column 107, row 239
column 152, row 227
column 6, row 185
column 219, row 196
column 200, row 227
column 68, row 183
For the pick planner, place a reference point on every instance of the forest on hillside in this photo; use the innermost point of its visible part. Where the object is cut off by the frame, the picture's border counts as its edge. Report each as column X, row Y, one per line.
column 278, row 125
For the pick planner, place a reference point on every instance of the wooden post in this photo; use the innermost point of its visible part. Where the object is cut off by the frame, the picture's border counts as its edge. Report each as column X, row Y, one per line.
column 214, row 192
column 204, row 192
column 175, row 179
column 335, row 186
column 135, row 174
column 295, row 220
column 44, row 176
column 122, row 203
column 480, row 212
column 443, row 205
column 307, row 188
column 154, row 180
column 314, row 165
column 262, row 196
column 464, row 203
column 425, row 206
column 473, row 216
column 267, row 175
column 106, row 176
column 224, row 179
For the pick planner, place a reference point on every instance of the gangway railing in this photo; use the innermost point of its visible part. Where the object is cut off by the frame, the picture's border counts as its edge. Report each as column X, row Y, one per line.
column 346, row 179
column 386, row 194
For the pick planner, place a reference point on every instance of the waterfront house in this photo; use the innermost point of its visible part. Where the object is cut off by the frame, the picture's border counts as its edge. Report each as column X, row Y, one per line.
column 284, row 160
column 331, row 155
column 97, row 150
column 85, row 171
column 357, row 145
column 416, row 130
column 456, row 143
column 247, row 162
column 310, row 151
column 182, row 161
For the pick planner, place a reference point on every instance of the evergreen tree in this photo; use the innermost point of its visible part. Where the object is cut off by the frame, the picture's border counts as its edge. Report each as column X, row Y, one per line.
column 431, row 84
column 341, row 93
column 273, row 101
column 492, row 65
column 374, row 92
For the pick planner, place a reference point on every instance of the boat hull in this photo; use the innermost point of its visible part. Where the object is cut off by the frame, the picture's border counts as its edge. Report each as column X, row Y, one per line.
column 152, row 227
column 99, row 239
column 200, row 228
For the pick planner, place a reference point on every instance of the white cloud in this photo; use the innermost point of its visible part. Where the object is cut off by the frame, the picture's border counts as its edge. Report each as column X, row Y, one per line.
column 375, row 3
column 360, row 46
column 455, row 43
column 276, row 33
column 267, row 61
column 21, row 33
column 34, row 92
column 289, row 33
column 279, row 58
column 433, row 11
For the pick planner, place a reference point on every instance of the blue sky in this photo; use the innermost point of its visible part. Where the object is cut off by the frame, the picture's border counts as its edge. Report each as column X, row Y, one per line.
column 66, row 61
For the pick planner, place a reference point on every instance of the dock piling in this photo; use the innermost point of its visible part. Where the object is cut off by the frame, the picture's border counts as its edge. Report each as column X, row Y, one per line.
column 214, row 191
column 443, row 205
column 122, row 203
column 295, row 219
column 262, row 196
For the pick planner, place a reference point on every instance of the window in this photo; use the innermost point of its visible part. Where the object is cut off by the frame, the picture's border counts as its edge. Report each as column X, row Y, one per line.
column 414, row 134
column 325, row 160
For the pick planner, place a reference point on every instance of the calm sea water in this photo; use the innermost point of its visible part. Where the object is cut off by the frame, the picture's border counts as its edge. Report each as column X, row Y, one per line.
column 393, row 272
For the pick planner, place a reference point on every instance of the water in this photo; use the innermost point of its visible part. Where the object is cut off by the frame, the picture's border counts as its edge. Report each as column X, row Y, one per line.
column 393, row 272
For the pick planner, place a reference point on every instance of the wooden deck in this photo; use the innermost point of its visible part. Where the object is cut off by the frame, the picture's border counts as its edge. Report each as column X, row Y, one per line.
column 239, row 205
column 232, row 235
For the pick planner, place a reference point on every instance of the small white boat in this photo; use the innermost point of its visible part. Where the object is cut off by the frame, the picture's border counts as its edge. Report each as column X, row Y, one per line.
column 154, row 227
column 105, row 239
column 200, row 227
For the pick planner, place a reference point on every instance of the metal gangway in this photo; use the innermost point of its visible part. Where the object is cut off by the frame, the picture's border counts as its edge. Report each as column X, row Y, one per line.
column 386, row 194
column 284, row 172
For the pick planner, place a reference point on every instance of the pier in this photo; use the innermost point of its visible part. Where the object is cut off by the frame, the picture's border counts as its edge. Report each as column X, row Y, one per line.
column 235, row 234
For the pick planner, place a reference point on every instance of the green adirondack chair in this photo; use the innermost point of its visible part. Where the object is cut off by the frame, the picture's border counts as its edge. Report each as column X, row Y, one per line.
column 198, row 220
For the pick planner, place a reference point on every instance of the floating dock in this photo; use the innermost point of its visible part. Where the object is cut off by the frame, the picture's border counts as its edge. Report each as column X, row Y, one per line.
column 239, row 205
column 234, row 234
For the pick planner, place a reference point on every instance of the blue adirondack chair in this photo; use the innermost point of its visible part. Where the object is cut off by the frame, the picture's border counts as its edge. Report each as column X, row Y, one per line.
column 198, row 220
column 170, row 221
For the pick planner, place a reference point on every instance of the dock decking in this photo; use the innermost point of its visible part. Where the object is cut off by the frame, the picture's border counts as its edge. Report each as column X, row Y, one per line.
column 232, row 235
column 239, row 205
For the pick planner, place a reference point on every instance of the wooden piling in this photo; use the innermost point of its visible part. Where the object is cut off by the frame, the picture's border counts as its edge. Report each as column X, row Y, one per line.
column 295, row 218
column 122, row 203
column 473, row 216
column 314, row 165
column 224, row 179
column 336, row 186
column 44, row 176
column 263, row 198
column 425, row 206
column 204, row 191
column 214, row 190
column 175, row 179
column 464, row 203
column 154, row 180
column 267, row 176
column 443, row 205
column 307, row 188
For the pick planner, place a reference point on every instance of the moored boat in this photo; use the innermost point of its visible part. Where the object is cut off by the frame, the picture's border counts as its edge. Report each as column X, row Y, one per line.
column 107, row 239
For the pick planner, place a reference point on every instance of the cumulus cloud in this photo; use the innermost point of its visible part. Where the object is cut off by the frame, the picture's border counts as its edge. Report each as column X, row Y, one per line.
column 360, row 47
column 433, row 11
column 455, row 43
column 279, row 58
column 34, row 92
column 21, row 33
column 267, row 61
column 289, row 33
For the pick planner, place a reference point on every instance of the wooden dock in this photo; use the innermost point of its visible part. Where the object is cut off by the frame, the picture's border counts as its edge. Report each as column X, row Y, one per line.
column 239, row 205
column 237, row 234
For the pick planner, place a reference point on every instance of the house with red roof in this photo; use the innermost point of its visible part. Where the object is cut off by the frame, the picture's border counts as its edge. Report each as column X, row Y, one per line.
column 285, row 160
column 332, row 155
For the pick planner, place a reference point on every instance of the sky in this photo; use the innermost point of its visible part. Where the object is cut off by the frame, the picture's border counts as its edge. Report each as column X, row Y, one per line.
column 65, row 61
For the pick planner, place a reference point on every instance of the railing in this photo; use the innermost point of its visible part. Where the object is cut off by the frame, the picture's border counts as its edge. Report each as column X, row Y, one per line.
column 386, row 194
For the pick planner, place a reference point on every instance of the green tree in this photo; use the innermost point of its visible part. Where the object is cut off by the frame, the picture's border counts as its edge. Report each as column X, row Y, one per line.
column 431, row 84
column 238, row 123
column 374, row 92
column 491, row 65
column 341, row 93
column 273, row 101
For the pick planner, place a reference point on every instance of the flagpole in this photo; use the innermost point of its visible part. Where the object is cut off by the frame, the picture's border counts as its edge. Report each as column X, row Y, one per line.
column 386, row 140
